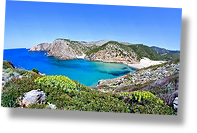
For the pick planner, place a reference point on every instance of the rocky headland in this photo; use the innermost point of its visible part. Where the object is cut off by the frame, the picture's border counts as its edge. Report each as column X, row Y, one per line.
column 61, row 49
column 41, row 47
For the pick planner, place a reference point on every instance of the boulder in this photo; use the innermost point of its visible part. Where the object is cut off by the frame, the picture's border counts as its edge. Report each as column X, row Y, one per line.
column 32, row 97
column 175, row 103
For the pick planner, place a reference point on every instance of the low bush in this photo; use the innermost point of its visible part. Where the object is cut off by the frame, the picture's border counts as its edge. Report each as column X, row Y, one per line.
column 37, row 106
column 146, row 103
column 35, row 70
column 21, row 72
column 8, row 70
column 152, row 109
column 86, row 100
column 57, row 81
column 11, row 73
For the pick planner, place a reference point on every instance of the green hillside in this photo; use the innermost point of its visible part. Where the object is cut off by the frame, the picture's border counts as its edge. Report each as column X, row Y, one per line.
column 171, row 56
column 140, row 49
column 145, row 51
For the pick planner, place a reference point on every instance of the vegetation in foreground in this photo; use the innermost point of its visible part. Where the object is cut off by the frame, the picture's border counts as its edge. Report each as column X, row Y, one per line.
column 67, row 94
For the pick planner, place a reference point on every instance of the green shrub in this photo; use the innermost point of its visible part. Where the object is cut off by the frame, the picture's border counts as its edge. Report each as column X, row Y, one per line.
column 152, row 109
column 35, row 70
column 8, row 99
column 1, row 104
column 21, row 72
column 146, row 103
column 92, row 100
column 57, row 81
column 11, row 73
column 8, row 70
column 139, row 96
column 37, row 106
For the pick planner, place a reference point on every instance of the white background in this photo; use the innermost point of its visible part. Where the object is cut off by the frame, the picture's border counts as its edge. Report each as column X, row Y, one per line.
column 187, row 5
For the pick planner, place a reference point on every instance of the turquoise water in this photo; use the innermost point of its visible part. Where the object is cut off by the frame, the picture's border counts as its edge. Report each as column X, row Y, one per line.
column 86, row 72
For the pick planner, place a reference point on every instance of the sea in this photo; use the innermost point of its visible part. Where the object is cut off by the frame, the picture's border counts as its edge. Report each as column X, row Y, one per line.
column 85, row 72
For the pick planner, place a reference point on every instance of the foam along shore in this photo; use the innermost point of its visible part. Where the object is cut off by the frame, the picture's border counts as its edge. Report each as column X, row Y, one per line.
column 145, row 62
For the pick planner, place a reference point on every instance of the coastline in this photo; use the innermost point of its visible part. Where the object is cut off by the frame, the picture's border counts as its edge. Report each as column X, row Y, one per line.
column 144, row 62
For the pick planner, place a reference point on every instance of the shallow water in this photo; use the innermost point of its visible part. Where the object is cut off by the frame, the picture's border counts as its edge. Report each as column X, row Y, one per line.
column 86, row 72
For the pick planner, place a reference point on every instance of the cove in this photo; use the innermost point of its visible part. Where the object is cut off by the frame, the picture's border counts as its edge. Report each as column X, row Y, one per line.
column 85, row 72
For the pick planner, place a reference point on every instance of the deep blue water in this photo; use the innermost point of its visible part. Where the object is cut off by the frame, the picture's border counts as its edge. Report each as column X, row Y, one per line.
column 86, row 72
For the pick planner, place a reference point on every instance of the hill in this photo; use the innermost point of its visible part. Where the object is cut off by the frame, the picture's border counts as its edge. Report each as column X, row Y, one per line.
column 104, row 50
column 112, row 51
column 145, row 51
column 163, row 50
column 160, row 50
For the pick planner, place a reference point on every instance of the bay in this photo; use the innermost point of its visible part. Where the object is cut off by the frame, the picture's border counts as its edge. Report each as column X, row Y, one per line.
column 86, row 72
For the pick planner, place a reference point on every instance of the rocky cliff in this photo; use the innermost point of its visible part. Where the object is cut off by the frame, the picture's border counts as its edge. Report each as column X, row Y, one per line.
column 60, row 49
column 63, row 49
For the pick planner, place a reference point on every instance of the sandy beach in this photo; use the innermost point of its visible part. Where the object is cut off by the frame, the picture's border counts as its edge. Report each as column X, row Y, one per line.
column 145, row 62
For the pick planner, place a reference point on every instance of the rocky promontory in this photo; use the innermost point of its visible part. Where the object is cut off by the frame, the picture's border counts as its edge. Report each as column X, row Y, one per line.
column 62, row 49
column 41, row 47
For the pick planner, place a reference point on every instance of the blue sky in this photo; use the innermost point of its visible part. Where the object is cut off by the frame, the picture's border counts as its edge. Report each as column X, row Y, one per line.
column 30, row 23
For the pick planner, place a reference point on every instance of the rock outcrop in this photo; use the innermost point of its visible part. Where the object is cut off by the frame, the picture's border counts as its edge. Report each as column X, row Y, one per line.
column 32, row 97
column 41, row 47
column 61, row 50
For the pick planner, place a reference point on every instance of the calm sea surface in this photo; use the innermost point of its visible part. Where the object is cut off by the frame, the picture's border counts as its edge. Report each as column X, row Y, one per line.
column 86, row 72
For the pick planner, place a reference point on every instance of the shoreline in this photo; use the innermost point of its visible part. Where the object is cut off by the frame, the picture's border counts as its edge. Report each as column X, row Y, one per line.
column 145, row 62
